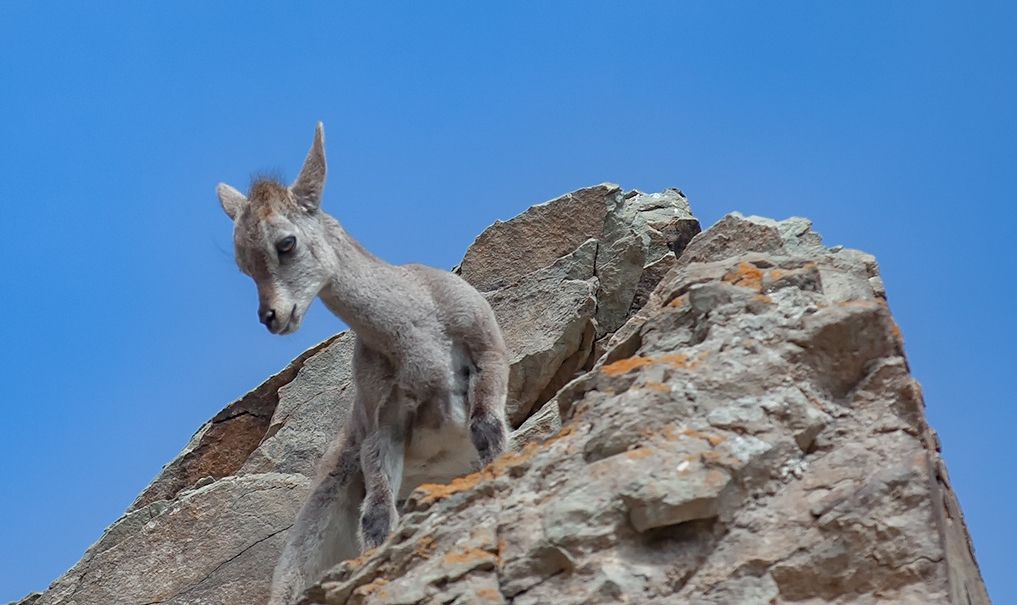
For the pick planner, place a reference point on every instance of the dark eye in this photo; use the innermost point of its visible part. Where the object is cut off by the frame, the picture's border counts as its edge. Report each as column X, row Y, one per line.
column 286, row 244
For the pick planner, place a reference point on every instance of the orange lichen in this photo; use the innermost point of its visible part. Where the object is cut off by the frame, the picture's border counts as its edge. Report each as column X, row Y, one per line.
column 745, row 275
column 433, row 492
column 677, row 303
column 623, row 366
column 638, row 453
column 489, row 594
column 363, row 558
column 502, row 545
column 660, row 387
column 424, row 548
column 859, row 302
column 675, row 359
column 713, row 440
column 716, row 477
column 666, row 432
column 710, row 456
column 565, row 431
column 468, row 556
column 510, row 460
column 437, row 491
column 775, row 274
column 371, row 588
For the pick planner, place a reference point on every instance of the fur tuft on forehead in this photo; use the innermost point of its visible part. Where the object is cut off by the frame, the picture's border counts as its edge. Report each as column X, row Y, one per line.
column 267, row 188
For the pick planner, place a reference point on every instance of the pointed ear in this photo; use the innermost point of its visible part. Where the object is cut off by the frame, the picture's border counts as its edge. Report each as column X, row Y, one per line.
column 311, row 182
column 231, row 200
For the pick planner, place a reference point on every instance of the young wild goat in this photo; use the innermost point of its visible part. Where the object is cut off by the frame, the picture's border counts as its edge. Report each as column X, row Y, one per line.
column 429, row 367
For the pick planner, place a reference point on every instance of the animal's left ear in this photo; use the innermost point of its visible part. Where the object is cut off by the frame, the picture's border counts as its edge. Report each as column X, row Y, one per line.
column 231, row 200
column 309, row 185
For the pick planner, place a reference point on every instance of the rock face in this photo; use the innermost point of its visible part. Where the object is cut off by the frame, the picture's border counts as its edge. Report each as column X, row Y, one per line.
column 724, row 418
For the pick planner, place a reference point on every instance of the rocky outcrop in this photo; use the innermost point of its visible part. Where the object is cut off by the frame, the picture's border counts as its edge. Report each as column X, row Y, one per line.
column 751, row 436
column 717, row 418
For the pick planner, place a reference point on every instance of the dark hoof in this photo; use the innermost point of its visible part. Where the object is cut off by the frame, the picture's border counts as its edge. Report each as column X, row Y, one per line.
column 375, row 526
column 489, row 437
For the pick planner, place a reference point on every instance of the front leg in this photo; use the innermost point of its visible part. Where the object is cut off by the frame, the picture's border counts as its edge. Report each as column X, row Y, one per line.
column 381, row 457
column 487, row 392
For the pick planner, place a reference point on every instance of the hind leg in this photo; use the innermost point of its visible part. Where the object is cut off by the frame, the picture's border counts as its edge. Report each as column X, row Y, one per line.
column 324, row 532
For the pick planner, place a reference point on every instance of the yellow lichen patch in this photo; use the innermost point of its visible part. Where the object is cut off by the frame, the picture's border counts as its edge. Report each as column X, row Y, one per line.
column 639, row 453
column 745, row 275
column 713, row 440
column 468, row 556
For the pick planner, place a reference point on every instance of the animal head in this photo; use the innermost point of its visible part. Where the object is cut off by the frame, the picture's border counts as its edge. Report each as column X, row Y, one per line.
column 280, row 241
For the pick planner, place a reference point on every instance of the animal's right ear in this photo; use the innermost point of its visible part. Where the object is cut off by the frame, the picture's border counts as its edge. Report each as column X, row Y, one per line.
column 231, row 200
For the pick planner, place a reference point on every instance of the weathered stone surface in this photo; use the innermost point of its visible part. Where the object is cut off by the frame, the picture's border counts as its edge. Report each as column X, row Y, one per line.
column 544, row 423
column 664, row 220
column 190, row 551
column 544, row 319
column 312, row 408
column 734, row 424
column 756, row 438
column 506, row 251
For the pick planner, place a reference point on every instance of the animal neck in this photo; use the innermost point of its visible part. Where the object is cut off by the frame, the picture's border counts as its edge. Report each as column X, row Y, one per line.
column 360, row 289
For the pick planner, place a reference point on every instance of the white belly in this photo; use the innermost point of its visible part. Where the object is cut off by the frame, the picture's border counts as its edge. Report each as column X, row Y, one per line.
column 438, row 456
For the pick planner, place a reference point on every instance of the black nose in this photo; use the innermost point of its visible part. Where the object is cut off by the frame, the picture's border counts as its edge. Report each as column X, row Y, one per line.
column 267, row 317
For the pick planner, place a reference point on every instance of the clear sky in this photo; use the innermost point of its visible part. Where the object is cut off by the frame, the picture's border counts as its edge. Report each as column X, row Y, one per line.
column 891, row 124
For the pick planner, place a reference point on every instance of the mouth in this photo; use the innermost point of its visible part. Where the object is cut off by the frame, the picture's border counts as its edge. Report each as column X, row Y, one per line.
column 291, row 325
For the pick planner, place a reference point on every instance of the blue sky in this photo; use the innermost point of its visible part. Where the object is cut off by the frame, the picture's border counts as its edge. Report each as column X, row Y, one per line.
column 890, row 124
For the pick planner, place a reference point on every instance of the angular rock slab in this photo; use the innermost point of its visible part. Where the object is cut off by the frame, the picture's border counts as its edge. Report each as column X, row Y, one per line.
column 198, row 550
